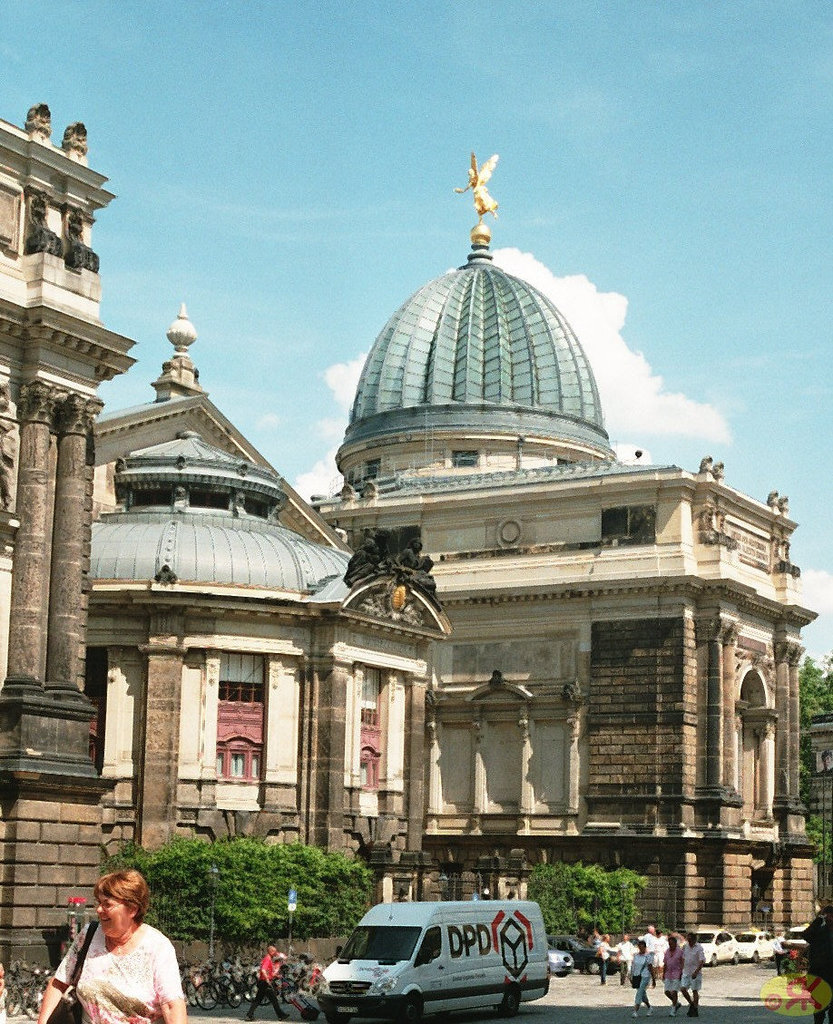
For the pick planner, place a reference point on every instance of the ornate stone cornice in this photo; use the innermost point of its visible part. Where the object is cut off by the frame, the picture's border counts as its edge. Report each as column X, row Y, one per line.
column 789, row 651
column 36, row 402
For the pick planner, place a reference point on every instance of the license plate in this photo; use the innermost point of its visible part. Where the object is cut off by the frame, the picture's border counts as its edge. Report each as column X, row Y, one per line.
column 347, row 1009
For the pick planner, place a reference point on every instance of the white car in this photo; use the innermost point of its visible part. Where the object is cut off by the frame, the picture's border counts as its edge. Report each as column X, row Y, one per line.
column 719, row 947
column 755, row 946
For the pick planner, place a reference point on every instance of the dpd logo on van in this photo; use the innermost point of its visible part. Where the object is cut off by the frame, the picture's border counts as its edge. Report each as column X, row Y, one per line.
column 512, row 937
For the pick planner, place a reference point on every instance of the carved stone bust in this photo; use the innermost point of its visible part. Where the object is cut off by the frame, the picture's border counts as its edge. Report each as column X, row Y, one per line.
column 75, row 140
column 39, row 122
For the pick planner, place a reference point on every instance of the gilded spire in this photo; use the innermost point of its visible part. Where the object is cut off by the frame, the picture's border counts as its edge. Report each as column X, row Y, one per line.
column 483, row 202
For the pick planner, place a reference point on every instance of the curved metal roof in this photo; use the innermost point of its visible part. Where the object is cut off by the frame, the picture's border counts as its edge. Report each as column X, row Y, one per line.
column 481, row 339
column 204, row 548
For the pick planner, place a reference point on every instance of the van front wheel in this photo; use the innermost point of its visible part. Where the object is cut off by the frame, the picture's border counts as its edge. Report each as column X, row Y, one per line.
column 511, row 1002
column 337, row 1018
column 411, row 1011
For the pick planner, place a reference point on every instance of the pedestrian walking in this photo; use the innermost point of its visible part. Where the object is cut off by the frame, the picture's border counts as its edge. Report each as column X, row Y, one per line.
column 268, row 973
column 692, row 980
column 626, row 950
column 650, row 940
column 603, row 953
column 819, row 937
column 672, row 972
column 641, row 976
column 781, row 954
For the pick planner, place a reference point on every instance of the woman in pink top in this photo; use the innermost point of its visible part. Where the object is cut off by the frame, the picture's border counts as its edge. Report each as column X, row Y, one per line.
column 673, row 972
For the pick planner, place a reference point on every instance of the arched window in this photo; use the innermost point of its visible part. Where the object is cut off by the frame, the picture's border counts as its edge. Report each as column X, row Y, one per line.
column 756, row 759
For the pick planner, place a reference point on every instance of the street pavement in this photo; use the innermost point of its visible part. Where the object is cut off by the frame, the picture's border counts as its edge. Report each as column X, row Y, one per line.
column 730, row 995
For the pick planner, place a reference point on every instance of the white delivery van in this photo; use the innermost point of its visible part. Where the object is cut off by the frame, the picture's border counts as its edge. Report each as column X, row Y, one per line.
column 406, row 960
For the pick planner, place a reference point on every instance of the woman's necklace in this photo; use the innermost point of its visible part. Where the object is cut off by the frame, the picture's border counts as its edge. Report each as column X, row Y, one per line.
column 117, row 945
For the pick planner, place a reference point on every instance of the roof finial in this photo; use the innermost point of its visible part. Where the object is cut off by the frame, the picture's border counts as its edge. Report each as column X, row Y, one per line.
column 182, row 332
column 483, row 202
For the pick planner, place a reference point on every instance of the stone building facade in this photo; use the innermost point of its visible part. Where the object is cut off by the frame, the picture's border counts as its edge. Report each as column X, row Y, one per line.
column 622, row 683
column 54, row 352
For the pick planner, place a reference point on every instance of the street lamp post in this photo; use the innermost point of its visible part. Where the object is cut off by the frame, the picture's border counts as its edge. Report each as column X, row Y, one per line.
column 213, row 873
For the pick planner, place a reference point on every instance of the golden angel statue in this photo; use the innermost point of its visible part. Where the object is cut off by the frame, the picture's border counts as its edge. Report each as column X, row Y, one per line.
column 483, row 202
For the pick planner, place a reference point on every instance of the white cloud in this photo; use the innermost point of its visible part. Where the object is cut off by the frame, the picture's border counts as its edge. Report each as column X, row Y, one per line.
column 342, row 379
column 817, row 594
column 323, row 478
column 634, row 399
column 817, row 590
column 269, row 421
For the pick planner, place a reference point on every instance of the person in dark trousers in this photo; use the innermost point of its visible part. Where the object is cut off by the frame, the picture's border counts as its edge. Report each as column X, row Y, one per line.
column 819, row 937
column 270, row 968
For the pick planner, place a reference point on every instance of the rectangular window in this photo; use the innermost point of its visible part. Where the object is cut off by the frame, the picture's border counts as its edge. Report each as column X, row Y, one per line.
column 629, row 524
column 240, row 716
column 371, row 469
column 464, row 460
column 371, row 733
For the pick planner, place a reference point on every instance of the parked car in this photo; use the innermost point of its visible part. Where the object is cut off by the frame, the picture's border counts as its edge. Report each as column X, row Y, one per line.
column 719, row 947
column 755, row 945
column 583, row 954
column 560, row 962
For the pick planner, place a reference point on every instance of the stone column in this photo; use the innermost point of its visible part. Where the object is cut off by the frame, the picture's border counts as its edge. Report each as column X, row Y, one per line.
column 30, row 571
column 435, row 782
column 326, row 764
column 573, row 796
column 729, row 639
column 159, row 771
column 414, row 787
column 794, row 657
column 526, row 795
column 765, row 768
column 782, row 729
column 708, row 632
column 479, row 770
column 69, row 531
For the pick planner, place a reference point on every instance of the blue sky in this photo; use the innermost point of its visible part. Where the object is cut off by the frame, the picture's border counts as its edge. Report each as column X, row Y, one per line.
column 287, row 169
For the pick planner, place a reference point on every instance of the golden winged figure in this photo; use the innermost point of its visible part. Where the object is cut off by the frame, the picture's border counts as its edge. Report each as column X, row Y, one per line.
column 483, row 202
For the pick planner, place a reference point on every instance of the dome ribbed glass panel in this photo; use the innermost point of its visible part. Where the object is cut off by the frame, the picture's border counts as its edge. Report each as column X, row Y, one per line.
column 478, row 335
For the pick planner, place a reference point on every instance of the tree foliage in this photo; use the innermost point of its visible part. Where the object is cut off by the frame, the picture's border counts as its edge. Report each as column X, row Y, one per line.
column 815, row 695
column 250, row 889
column 575, row 897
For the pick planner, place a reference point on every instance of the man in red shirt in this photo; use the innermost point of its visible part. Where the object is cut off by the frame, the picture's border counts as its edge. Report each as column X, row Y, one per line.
column 270, row 967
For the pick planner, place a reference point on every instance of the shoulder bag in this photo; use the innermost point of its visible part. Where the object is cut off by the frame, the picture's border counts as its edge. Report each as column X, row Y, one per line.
column 68, row 1009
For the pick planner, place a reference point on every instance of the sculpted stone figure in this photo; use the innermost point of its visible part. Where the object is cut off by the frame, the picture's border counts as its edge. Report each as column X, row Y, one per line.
column 8, row 450
column 75, row 140
column 79, row 256
column 706, row 464
column 39, row 122
column 40, row 237
column 364, row 564
column 772, row 500
column 419, row 566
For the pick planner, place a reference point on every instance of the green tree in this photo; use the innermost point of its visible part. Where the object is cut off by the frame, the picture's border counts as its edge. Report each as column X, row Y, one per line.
column 251, row 887
column 574, row 897
column 815, row 695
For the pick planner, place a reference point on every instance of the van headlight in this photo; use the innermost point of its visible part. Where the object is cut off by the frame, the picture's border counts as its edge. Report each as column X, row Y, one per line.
column 385, row 985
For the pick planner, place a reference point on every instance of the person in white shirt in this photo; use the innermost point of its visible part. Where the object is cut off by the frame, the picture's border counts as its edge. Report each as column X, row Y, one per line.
column 641, row 975
column 603, row 953
column 780, row 954
column 650, row 940
column 626, row 951
column 692, row 980
column 659, row 955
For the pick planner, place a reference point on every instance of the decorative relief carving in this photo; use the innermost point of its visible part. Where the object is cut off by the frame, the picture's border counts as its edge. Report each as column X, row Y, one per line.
column 74, row 141
column 36, row 402
column 712, row 527
column 166, row 575
column 39, row 122
column 75, row 414
column 9, row 219
column 39, row 237
column 8, row 448
column 729, row 633
column 79, row 256
column 396, row 604
column 707, row 629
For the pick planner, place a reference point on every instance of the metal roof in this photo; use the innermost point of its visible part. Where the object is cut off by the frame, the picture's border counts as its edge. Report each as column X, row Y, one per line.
column 480, row 340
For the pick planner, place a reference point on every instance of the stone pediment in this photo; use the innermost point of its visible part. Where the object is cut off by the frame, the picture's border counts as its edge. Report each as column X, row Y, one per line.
column 389, row 599
column 498, row 688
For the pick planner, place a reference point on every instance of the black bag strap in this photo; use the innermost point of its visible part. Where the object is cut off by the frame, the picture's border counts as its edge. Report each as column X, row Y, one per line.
column 82, row 956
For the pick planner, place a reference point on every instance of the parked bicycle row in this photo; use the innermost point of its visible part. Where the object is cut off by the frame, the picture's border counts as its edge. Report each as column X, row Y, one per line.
column 235, row 979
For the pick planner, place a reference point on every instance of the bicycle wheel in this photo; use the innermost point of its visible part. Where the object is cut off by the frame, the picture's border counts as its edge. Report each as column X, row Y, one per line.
column 207, row 995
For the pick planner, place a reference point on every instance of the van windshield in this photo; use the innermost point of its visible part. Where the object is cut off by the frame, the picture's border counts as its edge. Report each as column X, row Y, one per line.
column 387, row 943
